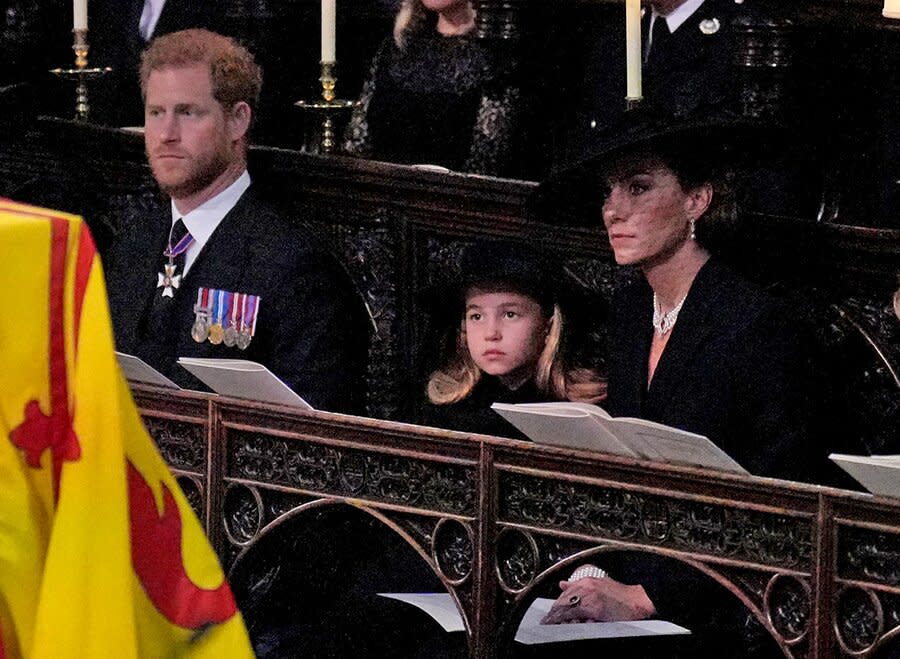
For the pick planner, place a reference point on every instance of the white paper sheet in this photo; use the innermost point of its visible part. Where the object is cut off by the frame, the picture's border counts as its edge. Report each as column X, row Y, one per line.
column 441, row 607
column 137, row 370
column 240, row 378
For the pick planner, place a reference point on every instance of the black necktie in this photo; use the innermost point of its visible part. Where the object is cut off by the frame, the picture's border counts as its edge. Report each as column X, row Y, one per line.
column 658, row 37
column 177, row 234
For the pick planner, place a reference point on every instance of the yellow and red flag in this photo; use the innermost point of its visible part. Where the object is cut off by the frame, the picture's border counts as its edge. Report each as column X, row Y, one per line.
column 100, row 553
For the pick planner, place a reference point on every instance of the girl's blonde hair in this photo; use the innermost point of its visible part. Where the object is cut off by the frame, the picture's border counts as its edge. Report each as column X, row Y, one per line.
column 456, row 381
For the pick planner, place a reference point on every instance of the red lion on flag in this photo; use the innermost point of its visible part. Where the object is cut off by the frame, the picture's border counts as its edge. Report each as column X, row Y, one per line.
column 100, row 553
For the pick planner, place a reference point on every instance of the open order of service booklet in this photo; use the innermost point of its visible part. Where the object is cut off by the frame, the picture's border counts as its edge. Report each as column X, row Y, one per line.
column 879, row 474
column 586, row 426
column 136, row 369
column 440, row 606
column 240, row 378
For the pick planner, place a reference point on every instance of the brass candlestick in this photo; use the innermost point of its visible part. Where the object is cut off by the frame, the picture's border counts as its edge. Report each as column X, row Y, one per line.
column 327, row 107
column 81, row 74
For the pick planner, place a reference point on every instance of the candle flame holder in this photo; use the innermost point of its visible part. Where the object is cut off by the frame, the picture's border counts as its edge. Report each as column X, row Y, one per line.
column 327, row 107
column 81, row 74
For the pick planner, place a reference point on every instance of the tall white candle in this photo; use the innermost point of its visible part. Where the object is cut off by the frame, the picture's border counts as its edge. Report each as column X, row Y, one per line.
column 329, row 15
column 633, row 49
column 80, row 14
column 891, row 9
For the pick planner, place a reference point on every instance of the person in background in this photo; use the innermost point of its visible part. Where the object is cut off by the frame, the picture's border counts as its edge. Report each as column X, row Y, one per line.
column 218, row 272
column 687, row 64
column 435, row 95
column 511, row 340
column 120, row 30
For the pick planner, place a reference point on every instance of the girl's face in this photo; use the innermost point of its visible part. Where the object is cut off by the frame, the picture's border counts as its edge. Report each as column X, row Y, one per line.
column 505, row 333
column 647, row 213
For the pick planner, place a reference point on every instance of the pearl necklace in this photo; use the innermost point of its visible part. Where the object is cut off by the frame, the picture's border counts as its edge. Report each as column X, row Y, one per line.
column 664, row 322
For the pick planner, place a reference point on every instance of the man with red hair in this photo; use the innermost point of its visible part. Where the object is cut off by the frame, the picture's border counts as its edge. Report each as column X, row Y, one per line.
column 219, row 273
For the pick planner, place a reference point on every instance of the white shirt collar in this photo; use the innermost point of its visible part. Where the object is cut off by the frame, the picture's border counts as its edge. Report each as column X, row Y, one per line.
column 150, row 17
column 679, row 15
column 204, row 219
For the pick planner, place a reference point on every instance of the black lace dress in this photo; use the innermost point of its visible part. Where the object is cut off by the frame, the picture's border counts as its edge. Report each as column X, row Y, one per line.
column 441, row 101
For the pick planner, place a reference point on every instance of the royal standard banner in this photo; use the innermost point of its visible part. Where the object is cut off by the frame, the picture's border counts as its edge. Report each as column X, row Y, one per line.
column 100, row 553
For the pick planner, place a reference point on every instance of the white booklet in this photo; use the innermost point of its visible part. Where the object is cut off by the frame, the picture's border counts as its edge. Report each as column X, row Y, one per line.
column 441, row 607
column 136, row 369
column 586, row 426
column 879, row 474
column 240, row 378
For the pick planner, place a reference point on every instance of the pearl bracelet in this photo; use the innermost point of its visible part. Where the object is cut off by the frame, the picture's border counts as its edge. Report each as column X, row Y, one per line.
column 588, row 570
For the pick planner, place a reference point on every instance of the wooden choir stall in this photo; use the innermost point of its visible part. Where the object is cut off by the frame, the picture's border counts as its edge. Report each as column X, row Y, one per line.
column 495, row 522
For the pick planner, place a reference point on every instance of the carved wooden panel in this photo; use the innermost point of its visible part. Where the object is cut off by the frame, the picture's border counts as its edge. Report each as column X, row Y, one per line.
column 333, row 470
column 698, row 527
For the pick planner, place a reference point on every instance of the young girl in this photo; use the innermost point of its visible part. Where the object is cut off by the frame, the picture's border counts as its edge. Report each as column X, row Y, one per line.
column 510, row 343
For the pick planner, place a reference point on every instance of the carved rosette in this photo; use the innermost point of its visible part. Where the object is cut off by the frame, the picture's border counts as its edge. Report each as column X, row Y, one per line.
column 256, row 458
column 859, row 619
column 518, row 560
column 452, row 550
column 869, row 555
column 655, row 522
column 193, row 492
column 310, row 466
column 354, row 473
column 181, row 444
column 789, row 607
column 243, row 511
column 718, row 530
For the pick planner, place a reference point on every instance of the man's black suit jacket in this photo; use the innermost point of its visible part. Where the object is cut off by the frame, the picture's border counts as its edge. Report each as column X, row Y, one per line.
column 312, row 329
column 116, row 42
column 693, row 69
column 736, row 368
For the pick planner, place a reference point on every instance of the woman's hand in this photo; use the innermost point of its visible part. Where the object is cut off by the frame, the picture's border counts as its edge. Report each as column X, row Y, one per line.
column 599, row 600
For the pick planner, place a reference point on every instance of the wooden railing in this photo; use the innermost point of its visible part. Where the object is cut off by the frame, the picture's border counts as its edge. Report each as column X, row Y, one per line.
column 498, row 519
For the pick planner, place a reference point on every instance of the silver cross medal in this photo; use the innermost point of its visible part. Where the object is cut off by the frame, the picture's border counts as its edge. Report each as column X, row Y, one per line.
column 168, row 280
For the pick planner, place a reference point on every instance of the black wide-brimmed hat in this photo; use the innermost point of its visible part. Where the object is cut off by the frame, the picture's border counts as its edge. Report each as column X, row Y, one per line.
column 697, row 144
column 518, row 267
column 522, row 268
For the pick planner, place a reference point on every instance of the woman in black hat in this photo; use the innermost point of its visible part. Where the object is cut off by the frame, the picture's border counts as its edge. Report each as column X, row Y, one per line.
column 509, row 340
column 695, row 346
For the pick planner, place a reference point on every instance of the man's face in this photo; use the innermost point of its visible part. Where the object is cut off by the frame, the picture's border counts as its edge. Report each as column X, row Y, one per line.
column 189, row 138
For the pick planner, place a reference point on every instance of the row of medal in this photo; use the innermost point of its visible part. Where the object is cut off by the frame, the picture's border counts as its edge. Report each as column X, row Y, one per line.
column 224, row 317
